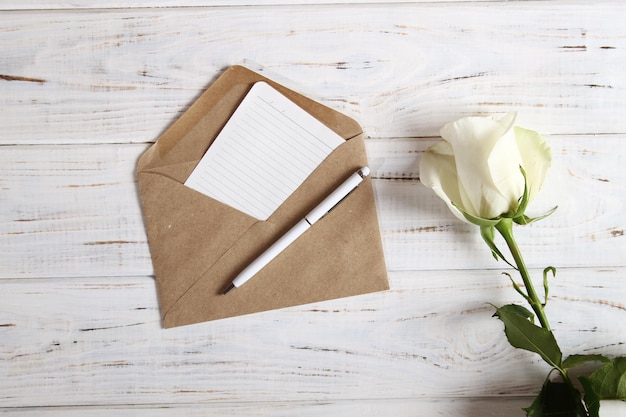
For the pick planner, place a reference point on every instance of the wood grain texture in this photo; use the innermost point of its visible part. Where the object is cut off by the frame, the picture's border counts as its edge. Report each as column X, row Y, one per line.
column 87, row 85
column 74, row 211
column 103, row 4
column 98, row 341
column 443, row 407
column 83, row 76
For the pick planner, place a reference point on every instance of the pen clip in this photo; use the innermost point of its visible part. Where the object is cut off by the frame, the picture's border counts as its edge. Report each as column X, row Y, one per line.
column 337, row 196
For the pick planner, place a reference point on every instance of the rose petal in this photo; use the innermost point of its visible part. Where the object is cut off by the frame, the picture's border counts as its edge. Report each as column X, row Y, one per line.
column 473, row 140
column 536, row 158
column 504, row 163
column 438, row 171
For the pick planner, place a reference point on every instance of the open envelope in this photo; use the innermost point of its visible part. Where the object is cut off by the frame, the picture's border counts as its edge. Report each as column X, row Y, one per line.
column 198, row 245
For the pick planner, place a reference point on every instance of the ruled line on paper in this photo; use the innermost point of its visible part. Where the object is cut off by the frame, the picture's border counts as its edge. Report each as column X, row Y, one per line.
column 265, row 151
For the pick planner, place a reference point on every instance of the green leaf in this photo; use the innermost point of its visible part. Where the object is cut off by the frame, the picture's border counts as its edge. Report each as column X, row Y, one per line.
column 609, row 381
column 556, row 399
column 559, row 400
column 521, row 310
column 536, row 408
column 591, row 398
column 523, row 334
column 573, row 361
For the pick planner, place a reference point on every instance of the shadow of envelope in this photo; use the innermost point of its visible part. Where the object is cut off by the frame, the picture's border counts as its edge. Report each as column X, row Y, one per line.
column 198, row 245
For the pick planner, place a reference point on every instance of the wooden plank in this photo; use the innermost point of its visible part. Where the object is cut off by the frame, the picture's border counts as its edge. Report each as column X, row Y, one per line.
column 102, row 4
column 91, row 341
column 70, row 208
column 74, row 211
column 443, row 407
column 92, row 76
column 79, row 322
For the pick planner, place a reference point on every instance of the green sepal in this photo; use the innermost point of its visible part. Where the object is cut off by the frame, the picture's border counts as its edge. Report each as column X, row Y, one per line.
column 488, row 235
column 523, row 202
column 519, row 217
column 478, row 221
column 523, row 219
column 523, row 334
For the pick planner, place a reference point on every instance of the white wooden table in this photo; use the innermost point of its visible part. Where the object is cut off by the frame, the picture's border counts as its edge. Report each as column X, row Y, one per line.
column 87, row 85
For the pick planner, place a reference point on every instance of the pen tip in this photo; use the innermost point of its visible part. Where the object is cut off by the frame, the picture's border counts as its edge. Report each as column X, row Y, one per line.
column 230, row 287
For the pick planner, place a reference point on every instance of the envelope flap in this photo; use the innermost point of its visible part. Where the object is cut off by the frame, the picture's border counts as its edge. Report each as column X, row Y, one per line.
column 182, row 227
column 192, row 134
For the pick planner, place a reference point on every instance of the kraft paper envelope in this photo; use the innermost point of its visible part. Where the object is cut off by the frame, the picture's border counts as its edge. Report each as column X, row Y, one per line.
column 198, row 245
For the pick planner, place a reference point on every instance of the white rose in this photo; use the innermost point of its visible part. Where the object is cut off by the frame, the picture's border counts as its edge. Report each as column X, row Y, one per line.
column 476, row 169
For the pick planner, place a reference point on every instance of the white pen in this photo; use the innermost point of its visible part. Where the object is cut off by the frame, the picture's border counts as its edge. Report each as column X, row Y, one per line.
column 302, row 226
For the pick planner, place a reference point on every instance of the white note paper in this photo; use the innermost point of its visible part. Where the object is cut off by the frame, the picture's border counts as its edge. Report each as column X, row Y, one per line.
column 265, row 151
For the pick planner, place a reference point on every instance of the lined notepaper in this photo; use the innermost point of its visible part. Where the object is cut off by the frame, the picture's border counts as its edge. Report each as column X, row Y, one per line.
column 265, row 151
